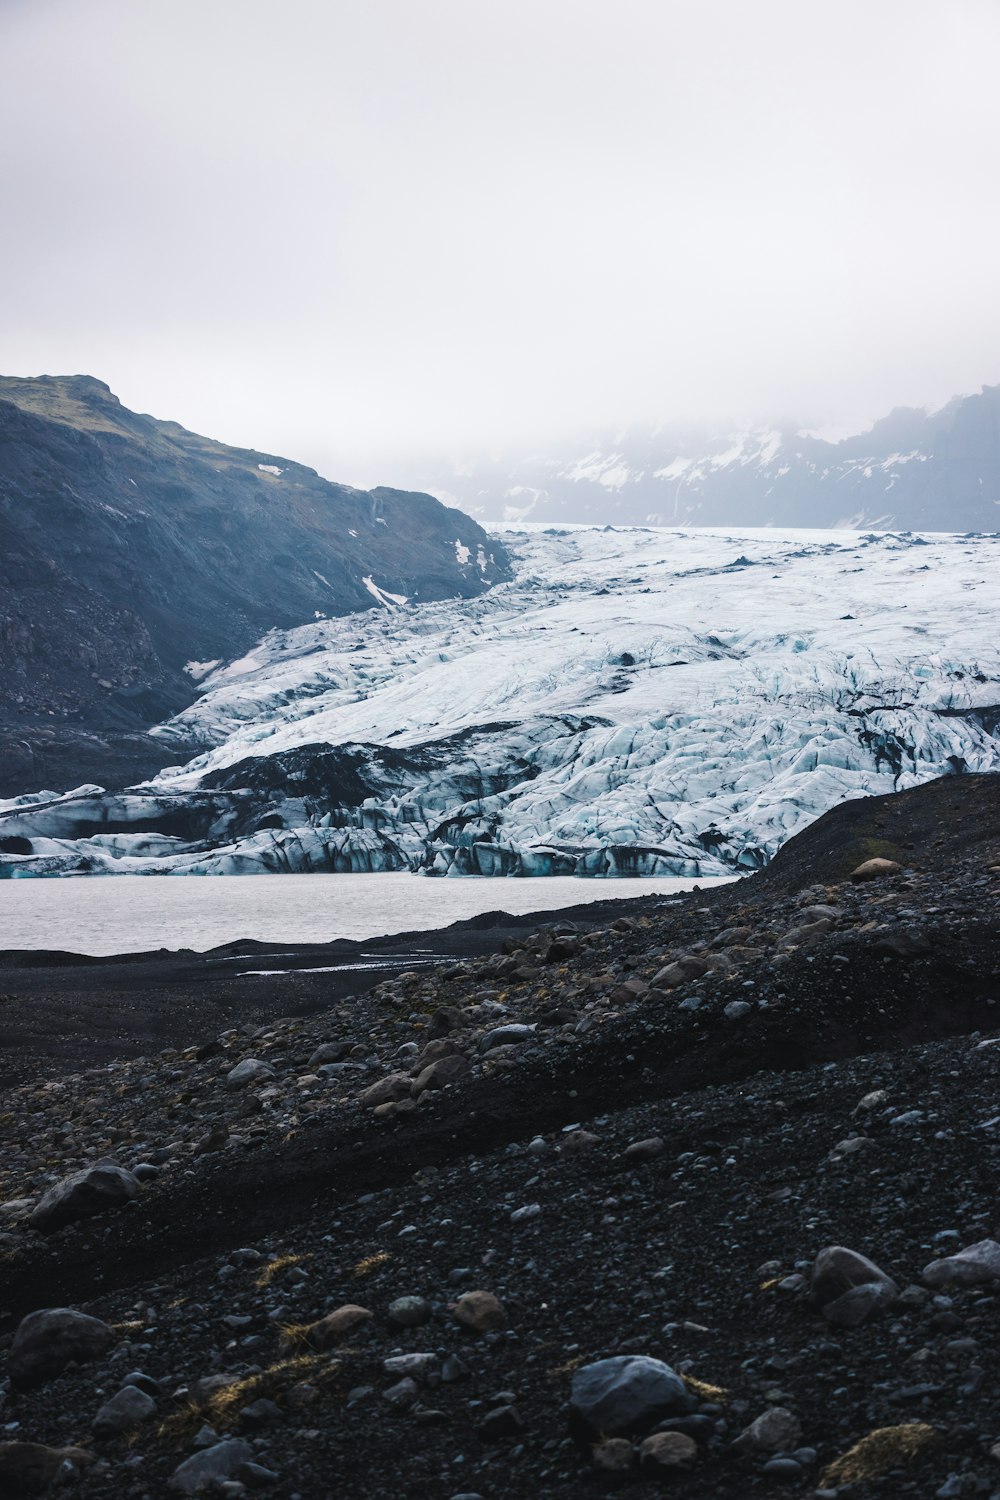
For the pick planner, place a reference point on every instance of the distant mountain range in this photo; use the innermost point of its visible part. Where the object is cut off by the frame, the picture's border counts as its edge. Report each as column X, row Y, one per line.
column 916, row 470
column 135, row 555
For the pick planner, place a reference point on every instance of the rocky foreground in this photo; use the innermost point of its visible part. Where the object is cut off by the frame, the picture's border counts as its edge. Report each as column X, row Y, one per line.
column 704, row 1199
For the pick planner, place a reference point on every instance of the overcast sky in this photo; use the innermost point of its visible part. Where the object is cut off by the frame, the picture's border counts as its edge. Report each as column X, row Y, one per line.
column 367, row 232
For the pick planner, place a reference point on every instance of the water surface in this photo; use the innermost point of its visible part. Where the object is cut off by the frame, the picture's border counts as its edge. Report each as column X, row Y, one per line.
column 137, row 913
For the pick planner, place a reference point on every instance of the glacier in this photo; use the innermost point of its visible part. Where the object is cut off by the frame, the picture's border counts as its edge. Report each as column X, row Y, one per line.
column 635, row 701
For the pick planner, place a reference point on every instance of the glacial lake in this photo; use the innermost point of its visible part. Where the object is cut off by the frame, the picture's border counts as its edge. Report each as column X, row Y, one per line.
column 137, row 913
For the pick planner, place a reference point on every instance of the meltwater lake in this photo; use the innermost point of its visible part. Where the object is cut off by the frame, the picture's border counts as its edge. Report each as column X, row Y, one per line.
column 138, row 913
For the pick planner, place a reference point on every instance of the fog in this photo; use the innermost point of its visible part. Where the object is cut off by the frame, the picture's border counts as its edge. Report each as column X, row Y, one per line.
column 371, row 232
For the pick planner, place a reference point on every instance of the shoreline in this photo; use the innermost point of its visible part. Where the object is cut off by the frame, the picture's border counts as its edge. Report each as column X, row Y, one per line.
column 63, row 1012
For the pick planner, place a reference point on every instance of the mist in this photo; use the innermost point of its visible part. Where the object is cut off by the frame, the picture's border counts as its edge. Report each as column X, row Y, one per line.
column 374, row 235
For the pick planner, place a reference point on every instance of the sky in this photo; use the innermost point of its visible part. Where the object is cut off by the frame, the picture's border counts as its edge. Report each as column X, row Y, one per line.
column 371, row 234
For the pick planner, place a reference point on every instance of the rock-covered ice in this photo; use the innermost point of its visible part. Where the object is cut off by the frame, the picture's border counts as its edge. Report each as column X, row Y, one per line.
column 640, row 701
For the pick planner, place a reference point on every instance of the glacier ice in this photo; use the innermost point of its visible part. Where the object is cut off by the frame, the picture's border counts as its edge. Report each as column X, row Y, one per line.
column 635, row 701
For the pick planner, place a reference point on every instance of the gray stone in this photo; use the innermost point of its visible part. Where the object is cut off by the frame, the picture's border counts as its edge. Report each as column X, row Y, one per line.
column 837, row 1271
column 614, row 1457
column 409, row 1312
column 628, row 1393
column 858, row 1304
column 417, row 1365
column 666, row 1453
column 250, row 1070
column 441, row 1072
column 783, row 1468
column 505, row 1036
column 774, row 1431
column 48, row 1340
column 393, row 1087
column 82, row 1194
column 403, row 1393
column 205, row 1470
column 972, row 1266
column 32, row 1468
column 330, row 1052
column 736, row 1010
column 645, row 1150
column 126, row 1409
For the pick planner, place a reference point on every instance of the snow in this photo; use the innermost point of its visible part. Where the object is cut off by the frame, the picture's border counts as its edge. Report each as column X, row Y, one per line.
column 199, row 669
column 462, row 552
column 270, row 469
column 382, row 596
column 636, row 701
column 613, row 472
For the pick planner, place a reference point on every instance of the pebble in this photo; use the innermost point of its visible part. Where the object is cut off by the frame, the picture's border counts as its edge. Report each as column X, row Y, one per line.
column 664, row 1453
column 480, row 1312
column 409, row 1312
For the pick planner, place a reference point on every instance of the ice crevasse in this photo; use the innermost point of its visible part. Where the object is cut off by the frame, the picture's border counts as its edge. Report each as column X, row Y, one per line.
column 635, row 701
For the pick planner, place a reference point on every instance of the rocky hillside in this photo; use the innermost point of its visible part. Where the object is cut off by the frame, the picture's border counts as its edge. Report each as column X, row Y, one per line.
column 706, row 1196
column 928, row 471
column 134, row 555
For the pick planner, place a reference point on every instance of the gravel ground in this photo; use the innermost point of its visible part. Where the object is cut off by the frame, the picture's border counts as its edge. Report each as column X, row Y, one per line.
column 693, row 1103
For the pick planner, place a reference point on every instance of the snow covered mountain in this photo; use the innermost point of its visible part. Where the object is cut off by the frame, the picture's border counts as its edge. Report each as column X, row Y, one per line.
column 937, row 471
column 633, row 702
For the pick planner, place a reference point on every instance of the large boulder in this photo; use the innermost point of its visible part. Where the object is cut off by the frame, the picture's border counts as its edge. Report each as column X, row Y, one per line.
column 847, row 1287
column 972, row 1266
column 875, row 869
column 125, row 1410
column 205, row 1471
column 250, row 1070
column 31, row 1468
column 52, row 1338
column 93, row 1190
column 625, row 1395
column 337, row 1325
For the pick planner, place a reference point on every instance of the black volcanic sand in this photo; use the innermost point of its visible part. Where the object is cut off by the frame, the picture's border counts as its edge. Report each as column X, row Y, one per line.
column 755, row 1091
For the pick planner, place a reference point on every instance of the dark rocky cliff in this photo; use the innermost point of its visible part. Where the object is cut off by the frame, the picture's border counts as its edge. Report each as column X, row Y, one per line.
column 130, row 548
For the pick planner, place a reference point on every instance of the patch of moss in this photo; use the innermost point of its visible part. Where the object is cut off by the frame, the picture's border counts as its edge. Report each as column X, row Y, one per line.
column 885, row 1448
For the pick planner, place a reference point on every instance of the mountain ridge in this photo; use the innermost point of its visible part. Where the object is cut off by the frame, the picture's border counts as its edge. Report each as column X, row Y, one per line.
column 133, row 553
column 912, row 469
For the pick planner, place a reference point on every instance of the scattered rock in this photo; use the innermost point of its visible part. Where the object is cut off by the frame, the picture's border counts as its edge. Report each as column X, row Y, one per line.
column 481, row 1312
column 665, row 1453
column 48, row 1340
column 875, row 869
column 336, row 1326
column 94, row 1190
column 972, row 1266
column 409, row 1312
column 250, row 1070
column 206, row 1470
column 847, row 1287
column 624, row 1395
column 125, row 1410
column 615, row 1457
column 775, row 1431
column 645, row 1150
column 31, row 1468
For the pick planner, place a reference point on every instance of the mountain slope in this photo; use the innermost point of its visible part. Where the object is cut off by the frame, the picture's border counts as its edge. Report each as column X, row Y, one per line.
column 133, row 552
column 937, row 471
